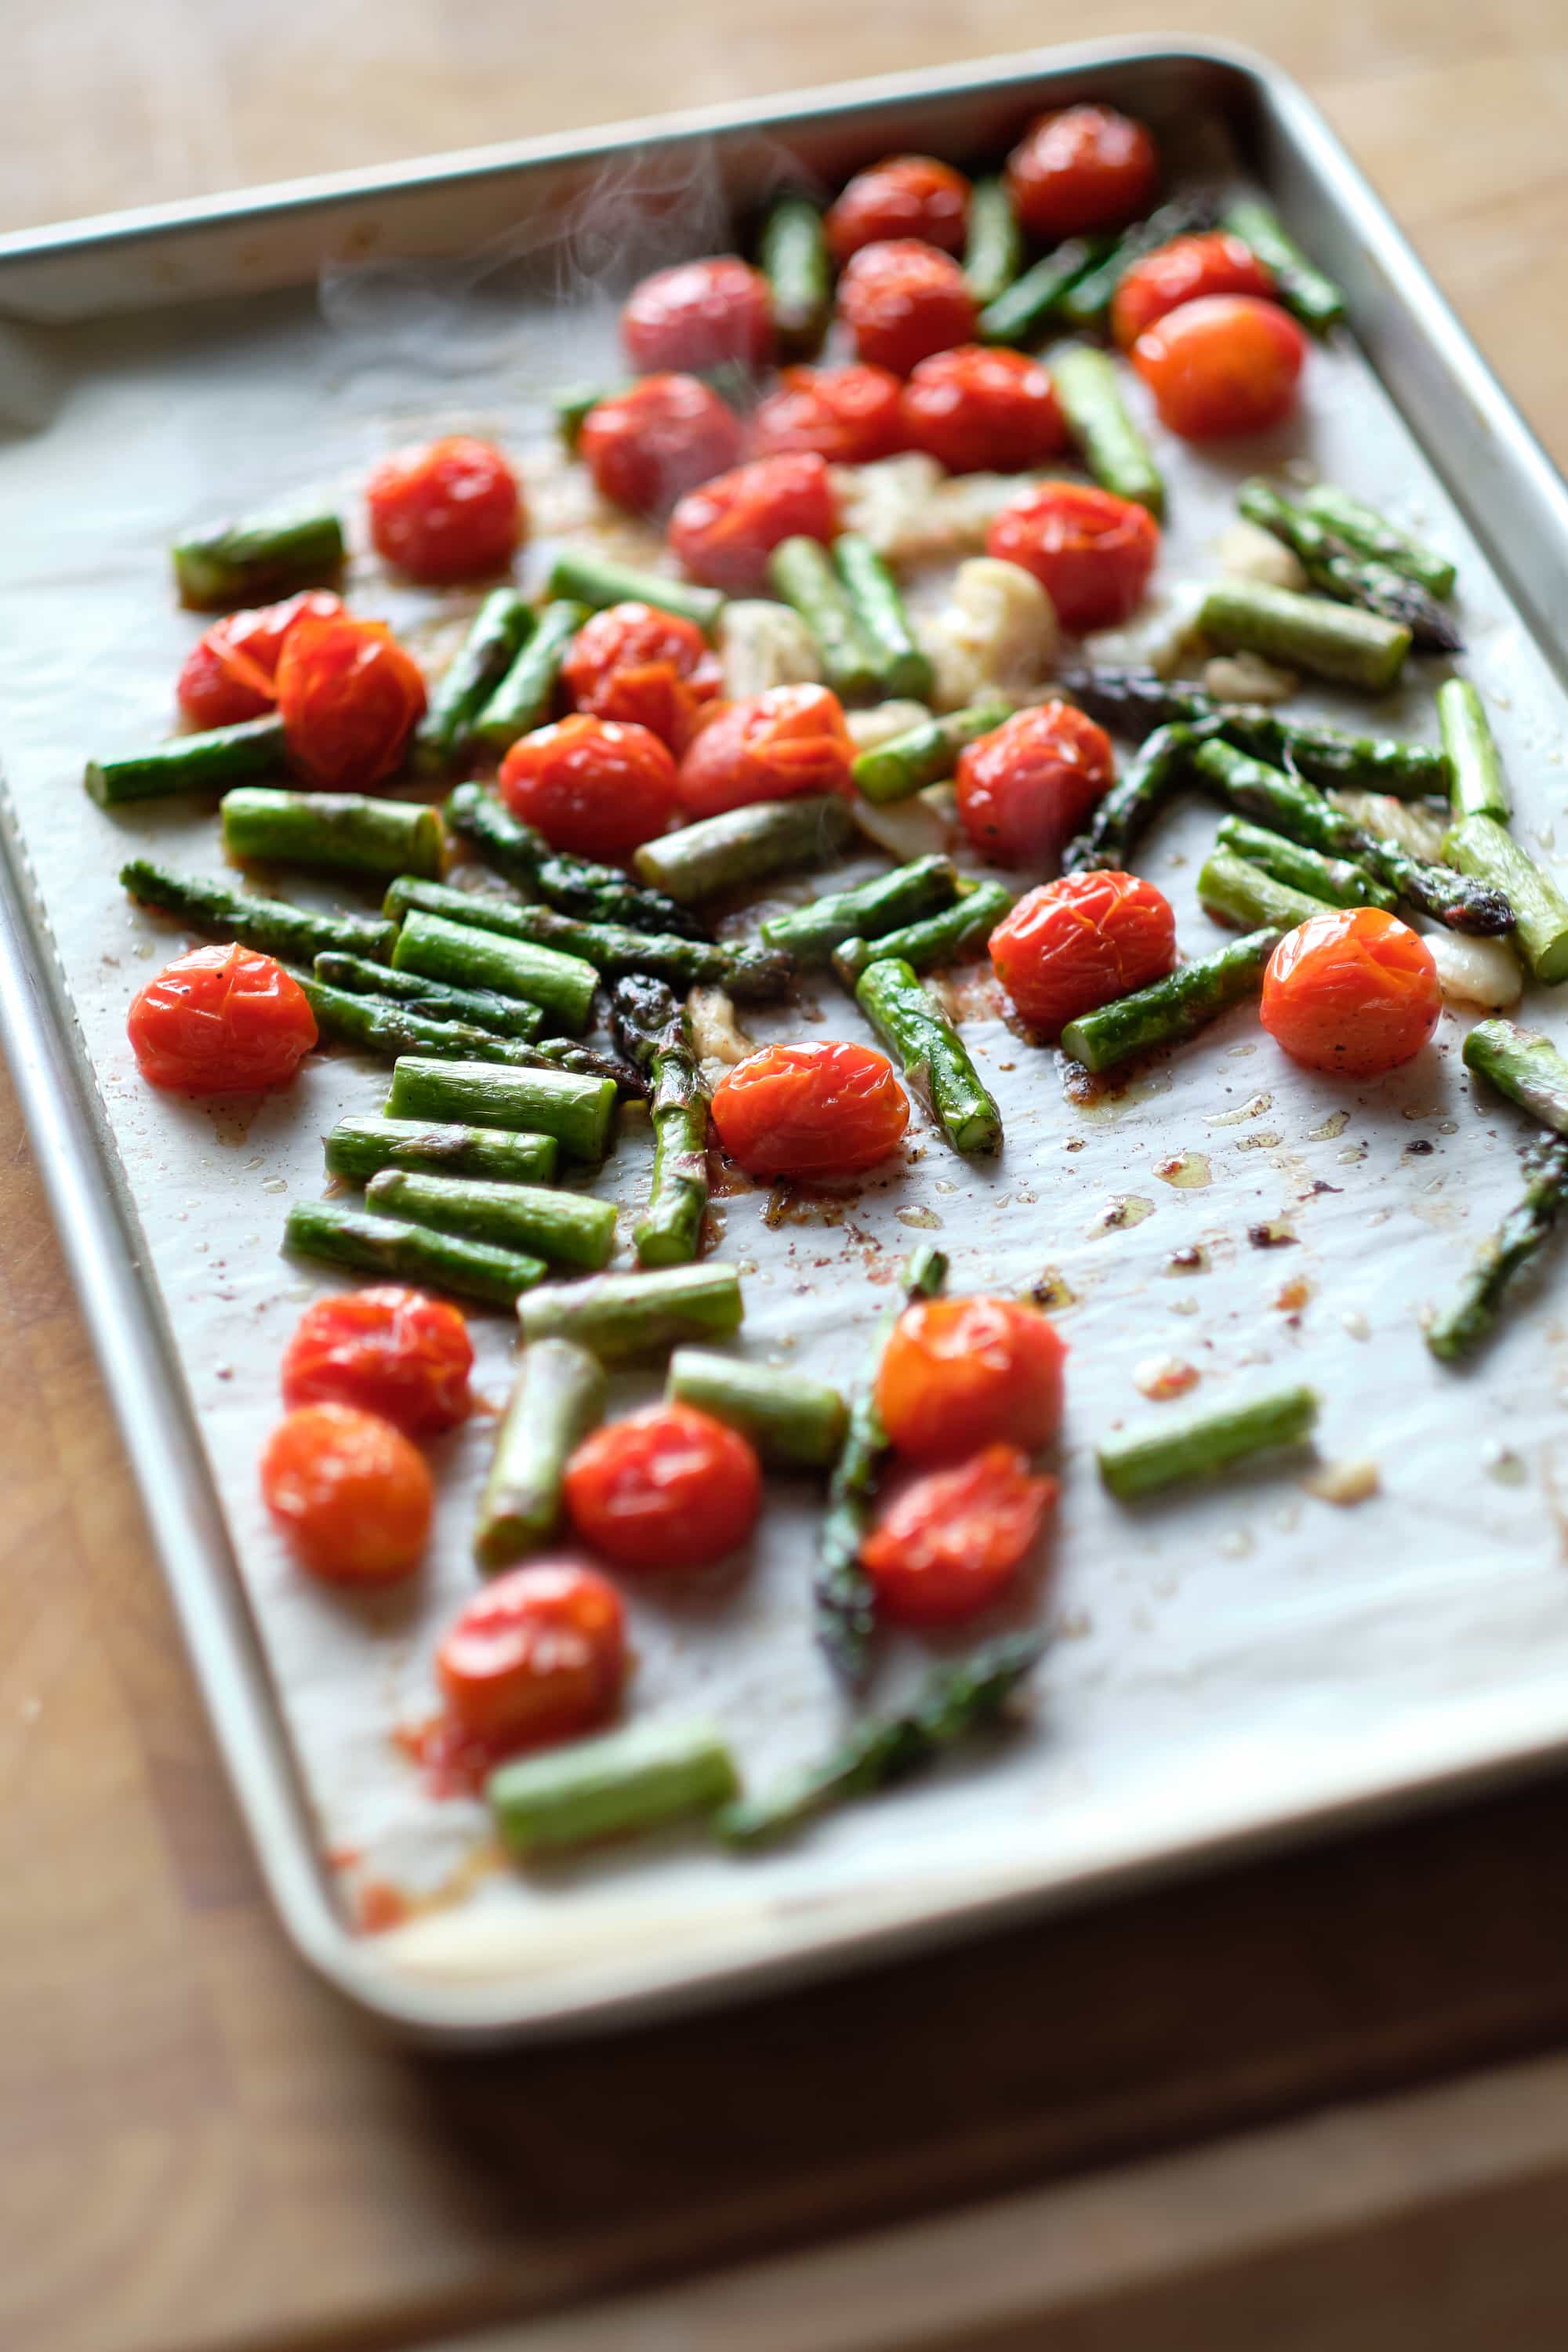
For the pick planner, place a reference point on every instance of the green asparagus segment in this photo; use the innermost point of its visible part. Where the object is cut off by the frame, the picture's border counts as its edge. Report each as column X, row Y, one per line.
column 810, row 933
column 563, row 1228
column 358, row 1149
column 1316, row 301
column 189, row 764
column 1486, row 850
column 1114, row 448
column 573, row 407
column 1335, row 881
column 795, row 1424
column 383, row 1246
column 1237, row 892
column 902, row 669
column 928, row 754
column 577, row 1111
column 1472, row 1316
column 959, row 930
column 557, row 1398
column 650, row 1025
column 1338, row 570
column 744, row 845
column 252, row 561
column 482, row 1008
column 621, row 1783
column 1363, row 528
column 596, row 580
column 1023, row 311
column 380, row 1025
column 1090, row 298
column 793, row 256
column 1337, row 641
column 1174, row 1009
column 486, row 655
column 525, row 698
column 1476, row 786
column 346, row 833
column 271, row 925
column 1133, row 801
column 622, row 1316
column 468, row 955
column 1524, row 1065
column 993, row 249
column 801, row 573
column 1199, row 1445
column 578, row 886
column 934, row 1058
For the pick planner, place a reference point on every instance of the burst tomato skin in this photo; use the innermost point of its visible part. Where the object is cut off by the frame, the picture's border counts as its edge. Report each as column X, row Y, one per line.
column 1025, row 789
column 670, row 1487
column 978, row 410
column 386, row 1350
column 446, row 510
column 767, row 747
column 1186, row 270
column 724, row 532
column 647, row 447
column 952, row 1542
column 538, row 1656
column 232, row 674
column 961, row 1374
column 1091, row 552
column 220, row 1021
column 820, row 1109
column 904, row 196
column 349, row 696
column 1083, row 169
column 698, row 314
column 593, row 786
column 849, row 416
column 1073, row 945
column 352, row 1495
column 644, row 668
column 1353, row 991
column 1226, row 363
column 902, row 300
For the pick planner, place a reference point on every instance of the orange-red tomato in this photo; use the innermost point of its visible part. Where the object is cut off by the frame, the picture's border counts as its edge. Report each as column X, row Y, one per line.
column 221, row 1021
column 670, row 1487
column 349, row 696
column 1228, row 364
column 645, row 668
column 699, row 315
column 387, row 1350
column 902, row 300
column 952, row 1542
column 591, row 786
column 648, row 446
column 977, row 410
column 350, row 1491
column 820, row 1109
column 724, row 532
column 447, row 509
column 906, row 195
column 232, row 674
column 847, row 414
column 1025, row 789
column 1081, row 942
column 961, row 1374
column 1186, row 270
column 538, row 1656
column 1091, row 552
column 1353, row 990
column 767, row 747
column 1085, row 168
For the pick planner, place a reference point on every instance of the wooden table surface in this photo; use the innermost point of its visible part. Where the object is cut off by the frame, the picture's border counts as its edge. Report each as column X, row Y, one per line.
column 1252, row 2110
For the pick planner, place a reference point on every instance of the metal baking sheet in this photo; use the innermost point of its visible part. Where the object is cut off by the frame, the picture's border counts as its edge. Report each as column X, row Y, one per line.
column 1233, row 1668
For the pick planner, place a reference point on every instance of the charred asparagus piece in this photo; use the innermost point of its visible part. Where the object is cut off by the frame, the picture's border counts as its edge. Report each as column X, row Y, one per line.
column 958, row 931
column 296, row 935
column 802, row 574
column 349, row 833
column 902, row 670
column 1316, row 301
column 1090, row 296
column 1133, row 801
column 795, row 1424
column 622, row 1316
column 557, row 1398
column 209, row 762
column 650, row 1025
column 1524, row 1065
column 596, row 580
column 1335, row 881
column 525, row 697
column 1476, row 785
column 1361, row 526
column 358, row 1147
column 251, row 561
column 809, row 934
column 569, row 1229
column 380, row 1025
column 482, row 1008
column 1340, row 570
column 1023, row 311
column 928, row 754
column 577, row 1111
column 932, row 1054
column 487, row 652
column 1472, row 1316
column 469, row 955
column 577, row 886
column 744, row 845
column 384, row 1245
column 1173, row 1009
column 1198, row 1447
column 1484, row 849
column 1234, row 891
column 1343, row 641
column 1114, row 448
column 623, row 1782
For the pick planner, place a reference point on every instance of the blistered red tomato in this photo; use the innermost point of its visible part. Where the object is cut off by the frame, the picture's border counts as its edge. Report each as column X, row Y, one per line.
column 906, row 195
column 232, row 674
column 976, row 410
column 724, row 532
column 953, row 1542
column 1229, row 363
column 670, row 1487
column 820, row 1109
column 1081, row 942
column 448, row 509
column 591, row 786
column 540, row 1655
column 644, row 668
column 961, row 1374
column 1186, row 270
column 221, row 1021
column 903, row 300
column 352, row 1495
column 847, row 414
column 648, row 446
column 699, row 315
column 1084, row 168
column 1025, row 789
column 387, row 1350
column 767, row 747
column 349, row 696
column 1091, row 552
column 1353, row 990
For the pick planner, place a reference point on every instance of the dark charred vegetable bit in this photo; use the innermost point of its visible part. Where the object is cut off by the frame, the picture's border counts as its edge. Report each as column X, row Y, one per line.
column 1113, row 449
column 620, row 1318
column 578, row 1111
column 650, row 1025
column 577, row 886
column 525, row 698
column 1316, row 301
column 371, row 1244
column 1174, row 1451
column 1173, row 1009
column 358, row 1149
column 596, row 580
column 801, row 572
column 1476, row 785
column 1342, row 642
column 612, row 1786
column 482, row 1008
column 1023, row 311
column 744, row 844
column 792, row 253
column 809, row 934
column 902, row 668
column 349, row 833
column 928, row 754
column 958, row 931
column 209, row 762
column 1336, row 881
column 381, row 1024
column 500, row 626
column 993, row 251
column 1234, row 891
column 1524, row 1232
column 557, row 1398
column 1133, row 801
column 1090, row 296
column 796, row 1424
column 295, row 935
column 1338, row 570
column 563, row 1228
column 1524, row 1065
column 932, row 1055
column 1363, row 528
column 253, row 562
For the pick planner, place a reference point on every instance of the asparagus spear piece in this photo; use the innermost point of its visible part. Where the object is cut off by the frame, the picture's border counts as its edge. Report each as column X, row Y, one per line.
column 526, row 696
column 271, row 925
column 1237, row 892
column 380, row 1025
column 339, row 832
column 500, row 626
column 1134, row 799
column 596, row 580
column 563, row 1228
column 1338, row 641
column 1023, row 311
column 358, row 1148
column 1200, row 1445
column 1338, row 570
column 742, row 844
column 577, row 1111
column 1114, row 448
column 250, row 562
column 482, row 1008
column 902, row 670
column 801, row 573
column 1316, row 301
column 650, row 1025
column 557, row 1398
column 795, row 1424
column 578, row 886
column 1524, row 1065
column 792, row 253
column 466, row 955
column 1091, row 297
column 810, row 933
column 1470, row 1318
column 383, row 1246
column 1335, row 881
column 932, row 1054
column 959, row 929
column 1486, row 850
column 994, row 250
column 623, row 1782
column 1173, row 1009
column 928, row 754
column 1476, row 777
column 622, row 1316
column 190, row 763
column 1361, row 526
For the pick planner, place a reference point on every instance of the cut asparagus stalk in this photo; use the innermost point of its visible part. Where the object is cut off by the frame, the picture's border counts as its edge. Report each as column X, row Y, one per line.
column 1022, row 312
column 1201, row 1444
column 927, row 754
column 795, row 1424
column 622, row 1316
column 1335, row 881
column 563, row 1228
column 1112, row 448
column 557, row 1398
column 338, row 832
column 1486, row 850
column 525, row 698
column 1134, row 799
column 372, row 1245
column 1472, row 1316
column 994, row 250
column 1316, row 301
column 810, row 933
column 1237, row 892
column 744, row 845
column 959, row 930
column 294, row 934
column 612, row 1786
column 801, row 576
column 1173, row 1009
column 468, row 955
column 358, row 1149
column 1337, row 641
column 573, row 407
column 596, row 580
column 651, row 1027
column 250, row 562
column 482, row 1008
column 486, row 655
column 1475, row 778
column 1364, row 528
column 1091, row 297
column 1338, row 570
column 578, row 886
column 1524, row 1065
column 792, row 253
column 577, row 1111
column 380, row 1025
column 932, row 1055
column 902, row 670
column 190, row 763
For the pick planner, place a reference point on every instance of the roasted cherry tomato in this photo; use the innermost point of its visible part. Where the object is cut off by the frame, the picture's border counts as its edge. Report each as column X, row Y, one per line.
column 961, row 1374
column 448, row 509
column 645, row 668
column 648, row 446
column 353, row 1496
column 767, row 747
column 1086, row 168
column 1078, row 943
column 699, row 315
column 952, row 1542
column 538, row 1656
column 1353, row 990
column 847, row 414
column 1229, row 363
column 821, row 1109
column 906, row 195
column 591, row 786
column 1186, row 270
column 232, row 674
column 1091, row 552
column 903, row 300
column 1025, row 789
column 670, row 1487
column 976, row 410
column 349, row 696
column 221, row 1021
column 387, row 1350
column 724, row 532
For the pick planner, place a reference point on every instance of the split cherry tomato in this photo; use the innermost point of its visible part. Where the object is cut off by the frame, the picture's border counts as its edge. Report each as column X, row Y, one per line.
column 976, row 410
column 350, row 1491
column 1083, row 169
column 349, row 696
column 724, row 532
column 1025, row 789
column 387, row 1350
column 221, row 1021
column 903, row 300
column 1091, row 552
column 906, row 196
column 821, row 1109
column 648, row 446
column 699, row 315
column 1229, row 363
column 645, row 668
column 1353, row 991
column 540, row 1655
column 447, row 509
column 847, row 414
column 1075, row 944
column 1186, row 270
column 961, row 1374
column 591, row 786
column 670, row 1487
column 232, row 674
column 952, row 1542
column 767, row 747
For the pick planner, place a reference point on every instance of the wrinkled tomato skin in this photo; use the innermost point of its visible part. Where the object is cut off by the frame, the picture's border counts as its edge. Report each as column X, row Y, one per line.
column 667, row 1488
column 976, row 410
column 644, row 668
column 538, row 1656
column 349, row 696
column 902, row 302
column 700, row 314
column 1083, row 169
column 447, row 509
column 1073, row 945
column 849, row 416
column 904, row 196
column 953, row 1542
column 1353, row 991
column 352, row 1495
column 385, row 1351
column 1229, row 363
column 961, row 1374
column 232, row 674
column 593, row 786
column 1186, row 270
column 724, row 532
column 1025, row 789
column 823, row 1109
column 647, row 447
column 221, row 1021
column 1091, row 552
column 767, row 747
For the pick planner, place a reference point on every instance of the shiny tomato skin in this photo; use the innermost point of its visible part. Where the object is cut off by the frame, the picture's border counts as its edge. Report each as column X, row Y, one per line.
column 1083, row 169
column 1091, row 552
column 1228, row 364
column 647, row 447
column 902, row 300
column 1186, row 270
column 232, row 674
column 953, row 1542
column 820, row 1109
column 1353, row 991
column 904, row 196
column 386, row 1350
column 221, row 1021
column 700, row 314
column 976, row 410
column 849, row 416
column 961, row 1374
column 767, row 747
column 349, row 696
column 1073, row 945
column 1025, row 789
column 669, row 1487
column 538, row 1656
column 645, row 668
column 354, row 1496
column 593, row 786
column 447, row 509
column 723, row 532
